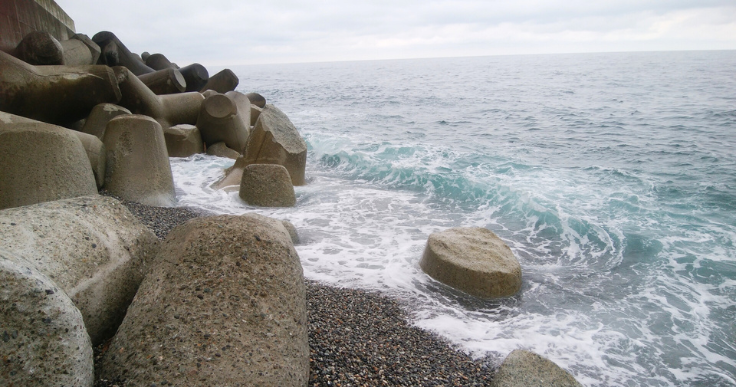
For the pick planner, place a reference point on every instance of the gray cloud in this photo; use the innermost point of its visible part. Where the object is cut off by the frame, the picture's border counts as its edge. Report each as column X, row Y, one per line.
column 220, row 32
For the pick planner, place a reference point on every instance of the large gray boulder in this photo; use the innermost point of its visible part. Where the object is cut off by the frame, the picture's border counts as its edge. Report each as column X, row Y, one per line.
column 525, row 368
column 40, row 162
column 43, row 338
column 92, row 247
column 267, row 185
column 275, row 140
column 473, row 260
column 138, row 167
column 183, row 140
column 224, row 304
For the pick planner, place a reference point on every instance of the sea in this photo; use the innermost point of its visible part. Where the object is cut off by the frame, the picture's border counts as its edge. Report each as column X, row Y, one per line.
column 611, row 176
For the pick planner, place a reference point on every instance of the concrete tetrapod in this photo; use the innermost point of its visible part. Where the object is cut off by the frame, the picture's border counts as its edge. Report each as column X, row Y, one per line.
column 267, row 185
column 221, row 119
column 275, row 140
column 80, row 50
column 43, row 340
column 40, row 48
column 168, row 110
column 525, row 368
column 98, row 118
column 224, row 304
column 96, row 154
column 40, row 162
column 114, row 53
column 222, row 82
column 166, row 81
column 54, row 94
column 183, row 140
column 474, row 260
column 138, row 166
column 93, row 248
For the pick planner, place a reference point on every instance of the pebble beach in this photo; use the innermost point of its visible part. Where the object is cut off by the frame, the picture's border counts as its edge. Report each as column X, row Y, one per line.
column 356, row 337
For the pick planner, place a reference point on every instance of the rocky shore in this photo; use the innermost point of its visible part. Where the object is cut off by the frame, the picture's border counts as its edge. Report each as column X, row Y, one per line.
column 356, row 337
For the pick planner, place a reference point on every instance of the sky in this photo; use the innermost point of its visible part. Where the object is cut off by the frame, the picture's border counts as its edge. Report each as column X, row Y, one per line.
column 239, row 32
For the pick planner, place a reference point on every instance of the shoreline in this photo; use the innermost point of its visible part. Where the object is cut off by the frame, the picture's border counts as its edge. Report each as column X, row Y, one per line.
column 356, row 337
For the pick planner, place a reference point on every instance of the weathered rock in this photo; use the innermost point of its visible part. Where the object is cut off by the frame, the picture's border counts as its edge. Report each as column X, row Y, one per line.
column 222, row 82
column 91, row 246
column 474, row 260
column 166, row 81
column 233, row 175
column 168, row 110
column 138, row 166
column 291, row 230
column 267, row 185
column 99, row 117
column 224, row 304
column 525, row 368
column 196, row 76
column 183, row 140
column 80, row 50
column 40, row 162
column 96, row 154
column 40, row 48
column 275, row 140
column 256, row 99
column 43, row 341
column 55, row 94
column 221, row 150
column 116, row 54
column 225, row 119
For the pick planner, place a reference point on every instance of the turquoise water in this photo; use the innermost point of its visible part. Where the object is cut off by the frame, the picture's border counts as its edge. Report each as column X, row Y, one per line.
column 611, row 177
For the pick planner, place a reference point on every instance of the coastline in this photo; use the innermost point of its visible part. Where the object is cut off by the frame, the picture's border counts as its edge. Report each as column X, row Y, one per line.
column 356, row 337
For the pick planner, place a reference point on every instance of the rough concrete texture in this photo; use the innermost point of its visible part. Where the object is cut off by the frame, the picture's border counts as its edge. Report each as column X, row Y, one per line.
column 80, row 50
column 225, row 119
column 55, row 94
column 255, row 112
column 166, row 81
column 224, row 305
column 473, row 260
column 525, row 368
column 222, row 82
column 221, row 150
column 40, row 162
column 138, row 166
column 40, row 48
column 233, row 175
column 267, row 185
column 95, row 150
column 91, row 246
column 98, row 118
column 43, row 338
column 275, row 140
column 183, row 140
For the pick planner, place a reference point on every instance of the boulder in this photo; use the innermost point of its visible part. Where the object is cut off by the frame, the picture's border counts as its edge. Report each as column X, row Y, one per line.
column 474, row 260
column 138, row 166
column 92, row 247
column 225, row 119
column 168, row 110
column 221, row 150
column 43, row 338
column 267, row 185
column 224, row 304
column 222, row 82
column 183, row 140
column 58, row 95
column 275, row 140
column 233, row 175
column 525, row 368
column 98, row 118
column 40, row 162
column 96, row 154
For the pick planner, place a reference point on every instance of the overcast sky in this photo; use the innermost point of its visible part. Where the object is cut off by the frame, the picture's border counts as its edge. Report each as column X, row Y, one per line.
column 232, row 32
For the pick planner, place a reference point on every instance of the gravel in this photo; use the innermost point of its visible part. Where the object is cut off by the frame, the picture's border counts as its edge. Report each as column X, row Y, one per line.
column 356, row 337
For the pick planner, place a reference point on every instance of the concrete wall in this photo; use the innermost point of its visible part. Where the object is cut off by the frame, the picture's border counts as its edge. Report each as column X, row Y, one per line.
column 19, row 17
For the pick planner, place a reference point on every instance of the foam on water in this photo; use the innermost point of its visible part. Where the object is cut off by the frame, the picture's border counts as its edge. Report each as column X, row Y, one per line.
column 626, row 242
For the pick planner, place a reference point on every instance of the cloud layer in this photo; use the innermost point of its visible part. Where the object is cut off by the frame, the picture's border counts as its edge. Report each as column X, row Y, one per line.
column 231, row 32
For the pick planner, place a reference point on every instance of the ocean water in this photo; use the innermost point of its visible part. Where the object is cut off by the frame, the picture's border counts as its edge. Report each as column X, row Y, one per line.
column 612, row 177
